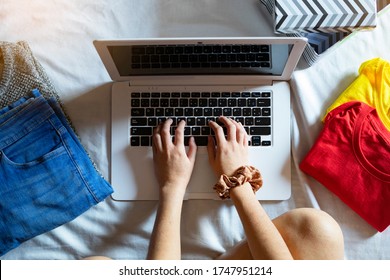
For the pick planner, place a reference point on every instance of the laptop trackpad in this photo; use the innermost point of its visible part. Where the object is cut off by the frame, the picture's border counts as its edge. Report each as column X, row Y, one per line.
column 203, row 178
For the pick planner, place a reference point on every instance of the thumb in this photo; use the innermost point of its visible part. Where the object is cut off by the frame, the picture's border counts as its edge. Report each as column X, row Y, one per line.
column 211, row 150
column 192, row 150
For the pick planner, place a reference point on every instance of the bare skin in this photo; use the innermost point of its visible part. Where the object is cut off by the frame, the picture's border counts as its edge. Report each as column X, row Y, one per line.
column 298, row 234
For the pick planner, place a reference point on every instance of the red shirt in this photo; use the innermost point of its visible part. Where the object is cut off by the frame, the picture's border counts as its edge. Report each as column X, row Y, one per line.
column 351, row 157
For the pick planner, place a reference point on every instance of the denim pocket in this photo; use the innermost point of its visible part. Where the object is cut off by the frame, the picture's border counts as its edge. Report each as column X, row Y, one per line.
column 40, row 144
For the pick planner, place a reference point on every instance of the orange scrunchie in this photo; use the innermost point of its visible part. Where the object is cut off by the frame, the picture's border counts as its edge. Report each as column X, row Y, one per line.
column 242, row 175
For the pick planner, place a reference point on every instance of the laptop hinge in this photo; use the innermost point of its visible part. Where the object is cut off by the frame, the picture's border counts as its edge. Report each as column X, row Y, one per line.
column 199, row 81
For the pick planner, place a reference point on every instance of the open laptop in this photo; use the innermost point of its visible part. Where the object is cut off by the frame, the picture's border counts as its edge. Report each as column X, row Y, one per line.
column 198, row 79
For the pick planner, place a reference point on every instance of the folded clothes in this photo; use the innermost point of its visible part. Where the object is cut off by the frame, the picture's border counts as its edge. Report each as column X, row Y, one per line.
column 20, row 73
column 46, row 177
column 351, row 157
column 372, row 87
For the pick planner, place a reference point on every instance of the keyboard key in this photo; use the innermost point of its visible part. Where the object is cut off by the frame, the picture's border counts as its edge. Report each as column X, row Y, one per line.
column 256, row 112
column 207, row 112
column 206, row 130
column 263, row 102
column 263, row 121
column 201, row 121
column 135, row 141
column 249, row 121
column 198, row 112
column 266, row 112
column 266, row 94
column 137, row 112
column 266, row 143
column 232, row 102
column 169, row 112
column 264, row 48
column 213, row 102
column 160, row 112
column 139, row 121
column 260, row 130
column 149, row 112
column 237, row 112
column 141, row 131
column 195, row 130
column 191, row 121
column 135, row 103
column 152, row 122
column 256, row 141
column 222, row 102
column 201, row 140
column 188, row 112
column 179, row 112
column 145, row 141
column 145, row 103
column 164, row 102
column 227, row 112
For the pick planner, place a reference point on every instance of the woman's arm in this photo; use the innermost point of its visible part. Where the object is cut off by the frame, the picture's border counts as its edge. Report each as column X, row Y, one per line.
column 264, row 240
column 173, row 166
column 230, row 153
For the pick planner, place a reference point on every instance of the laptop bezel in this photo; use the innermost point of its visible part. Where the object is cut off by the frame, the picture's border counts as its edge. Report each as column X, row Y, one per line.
column 298, row 45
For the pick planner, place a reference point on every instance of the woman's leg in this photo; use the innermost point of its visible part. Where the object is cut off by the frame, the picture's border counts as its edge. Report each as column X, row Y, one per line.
column 308, row 233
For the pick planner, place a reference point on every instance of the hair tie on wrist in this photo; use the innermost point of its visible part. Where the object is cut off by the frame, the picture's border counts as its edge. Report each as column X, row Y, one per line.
column 242, row 175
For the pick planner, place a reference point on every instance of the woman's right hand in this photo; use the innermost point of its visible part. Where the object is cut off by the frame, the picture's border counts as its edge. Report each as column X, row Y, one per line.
column 227, row 154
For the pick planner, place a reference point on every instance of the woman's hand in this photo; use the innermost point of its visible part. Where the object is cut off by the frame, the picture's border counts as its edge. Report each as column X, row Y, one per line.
column 173, row 165
column 231, row 152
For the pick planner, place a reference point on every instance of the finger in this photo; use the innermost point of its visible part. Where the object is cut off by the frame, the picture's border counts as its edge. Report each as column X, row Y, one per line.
column 192, row 148
column 244, row 136
column 179, row 133
column 241, row 134
column 211, row 149
column 165, row 133
column 218, row 131
column 231, row 128
column 157, row 143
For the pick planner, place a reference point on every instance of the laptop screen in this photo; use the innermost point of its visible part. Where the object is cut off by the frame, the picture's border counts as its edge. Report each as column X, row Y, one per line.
column 200, row 59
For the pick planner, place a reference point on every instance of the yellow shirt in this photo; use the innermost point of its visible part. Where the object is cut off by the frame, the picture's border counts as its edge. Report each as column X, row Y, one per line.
column 372, row 87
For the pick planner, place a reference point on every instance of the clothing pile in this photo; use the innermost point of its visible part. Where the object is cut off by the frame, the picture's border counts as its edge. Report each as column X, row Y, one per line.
column 46, row 177
column 351, row 156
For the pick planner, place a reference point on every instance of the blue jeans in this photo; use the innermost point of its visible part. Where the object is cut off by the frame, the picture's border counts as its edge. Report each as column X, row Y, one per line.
column 46, row 177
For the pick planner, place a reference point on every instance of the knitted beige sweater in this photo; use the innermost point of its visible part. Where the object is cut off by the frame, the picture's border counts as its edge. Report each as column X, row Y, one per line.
column 20, row 73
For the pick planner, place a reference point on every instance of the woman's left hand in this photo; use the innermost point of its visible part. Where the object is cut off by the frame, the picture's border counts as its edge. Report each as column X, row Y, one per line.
column 173, row 164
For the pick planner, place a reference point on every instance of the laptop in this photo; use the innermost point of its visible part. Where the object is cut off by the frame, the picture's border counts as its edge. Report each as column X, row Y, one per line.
column 199, row 79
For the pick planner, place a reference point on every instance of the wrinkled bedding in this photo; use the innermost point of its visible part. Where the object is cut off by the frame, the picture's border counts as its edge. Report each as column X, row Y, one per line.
column 60, row 34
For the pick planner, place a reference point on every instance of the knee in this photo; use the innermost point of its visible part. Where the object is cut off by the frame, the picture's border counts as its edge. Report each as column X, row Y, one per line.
column 316, row 223
column 318, row 229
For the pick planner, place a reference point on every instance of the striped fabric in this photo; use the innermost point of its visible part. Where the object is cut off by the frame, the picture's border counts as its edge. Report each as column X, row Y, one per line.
column 319, row 41
column 382, row 3
column 323, row 16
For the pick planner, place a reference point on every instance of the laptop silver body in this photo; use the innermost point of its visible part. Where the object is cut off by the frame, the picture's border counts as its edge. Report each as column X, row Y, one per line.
column 132, row 171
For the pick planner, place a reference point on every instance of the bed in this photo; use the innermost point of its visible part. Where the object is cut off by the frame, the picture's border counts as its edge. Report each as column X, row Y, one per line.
column 60, row 34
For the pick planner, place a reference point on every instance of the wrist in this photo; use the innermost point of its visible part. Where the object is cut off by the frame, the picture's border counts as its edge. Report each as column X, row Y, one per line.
column 245, row 175
column 243, row 193
column 172, row 190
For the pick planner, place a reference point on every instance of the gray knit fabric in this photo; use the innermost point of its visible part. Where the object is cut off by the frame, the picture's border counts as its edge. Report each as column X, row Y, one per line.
column 20, row 73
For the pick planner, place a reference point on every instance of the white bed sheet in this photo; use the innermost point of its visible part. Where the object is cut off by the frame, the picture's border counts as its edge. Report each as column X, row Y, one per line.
column 60, row 34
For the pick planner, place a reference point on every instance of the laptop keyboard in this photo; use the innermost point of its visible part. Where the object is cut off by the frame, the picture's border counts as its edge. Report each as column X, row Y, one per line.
column 252, row 109
column 200, row 56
